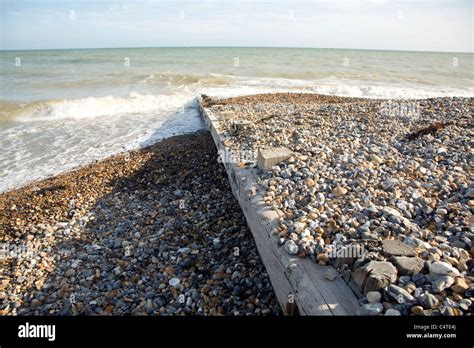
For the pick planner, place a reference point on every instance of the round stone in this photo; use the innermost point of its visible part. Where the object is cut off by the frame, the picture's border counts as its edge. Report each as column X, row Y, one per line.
column 417, row 310
column 331, row 274
column 309, row 182
column 339, row 191
column 374, row 296
column 443, row 268
column 428, row 301
column 291, row 247
column 174, row 282
column 392, row 312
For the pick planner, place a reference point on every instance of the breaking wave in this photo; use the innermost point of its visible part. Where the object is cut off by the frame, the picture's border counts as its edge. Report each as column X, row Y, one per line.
column 92, row 107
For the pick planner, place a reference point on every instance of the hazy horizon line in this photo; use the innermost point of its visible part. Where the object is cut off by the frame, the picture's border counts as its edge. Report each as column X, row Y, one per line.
column 287, row 47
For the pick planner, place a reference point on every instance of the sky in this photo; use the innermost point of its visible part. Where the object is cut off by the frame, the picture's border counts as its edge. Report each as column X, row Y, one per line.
column 419, row 25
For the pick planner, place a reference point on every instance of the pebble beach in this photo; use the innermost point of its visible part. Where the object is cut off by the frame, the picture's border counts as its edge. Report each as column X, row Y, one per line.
column 381, row 189
column 149, row 232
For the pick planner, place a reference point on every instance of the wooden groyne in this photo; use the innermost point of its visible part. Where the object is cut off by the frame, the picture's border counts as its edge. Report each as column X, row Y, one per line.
column 296, row 281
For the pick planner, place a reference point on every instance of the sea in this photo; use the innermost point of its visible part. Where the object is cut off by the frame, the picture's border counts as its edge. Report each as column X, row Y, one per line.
column 60, row 109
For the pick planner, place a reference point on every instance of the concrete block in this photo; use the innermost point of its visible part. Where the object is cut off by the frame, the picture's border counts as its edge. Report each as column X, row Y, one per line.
column 269, row 157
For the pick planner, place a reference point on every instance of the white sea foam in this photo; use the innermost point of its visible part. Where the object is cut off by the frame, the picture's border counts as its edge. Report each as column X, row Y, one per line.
column 386, row 92
column 93, row 107
column 339, row 87
column 80, row 131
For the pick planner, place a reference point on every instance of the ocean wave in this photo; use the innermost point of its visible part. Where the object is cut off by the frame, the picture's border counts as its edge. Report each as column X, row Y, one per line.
column 188, row 79
column 335, row 85
column 92, row 107
column 332, row 85
column 389, row 92
column 187, row 86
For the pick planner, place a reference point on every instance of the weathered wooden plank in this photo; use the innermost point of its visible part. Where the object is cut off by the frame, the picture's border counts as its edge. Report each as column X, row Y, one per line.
column 289, row 275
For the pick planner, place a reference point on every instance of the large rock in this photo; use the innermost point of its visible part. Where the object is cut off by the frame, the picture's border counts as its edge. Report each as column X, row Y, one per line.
column 399, row 294
column 374, row 276
column 440, row 282
column 460, row 285
column 443, row 268
column 396, row 248
column 428, row 301
column 408, row 265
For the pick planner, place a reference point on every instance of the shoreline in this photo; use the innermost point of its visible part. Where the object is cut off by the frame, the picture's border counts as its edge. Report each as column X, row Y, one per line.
column 278, row 96
column 80, row 166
